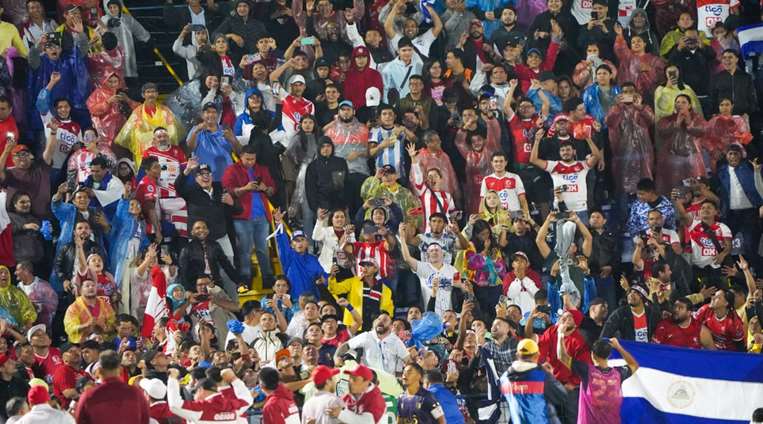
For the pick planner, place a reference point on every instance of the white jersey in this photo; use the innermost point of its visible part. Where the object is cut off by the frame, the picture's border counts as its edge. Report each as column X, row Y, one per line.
column 572, row 177
column 710, row 12
column 508, row 186
column 703, row 250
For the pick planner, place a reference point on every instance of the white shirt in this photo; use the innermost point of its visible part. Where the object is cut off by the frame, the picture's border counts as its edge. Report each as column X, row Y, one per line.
column 447, row 274
column 250, row 333
column 422, row 44
column 387, row 354
column 573, row 177
column 522, row 293
column 737, row 197
column 509, row 187
column 316, row 406
column 703, row 250
column 44, row 413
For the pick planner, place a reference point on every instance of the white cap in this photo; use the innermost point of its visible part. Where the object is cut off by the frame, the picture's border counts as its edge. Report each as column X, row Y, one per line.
column 154, row 387
column 296, row 78
column 373, row 97
column 34, row 329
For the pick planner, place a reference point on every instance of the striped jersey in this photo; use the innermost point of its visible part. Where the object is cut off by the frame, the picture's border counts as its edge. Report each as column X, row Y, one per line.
column 391, row 155
column 431, row 200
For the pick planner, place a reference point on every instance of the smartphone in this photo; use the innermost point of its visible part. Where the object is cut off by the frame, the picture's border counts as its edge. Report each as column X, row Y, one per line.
column 165, row 250
column 307, row 41
column 10, row 136
column 627, row 98
column 225, row 79
column 594, row 16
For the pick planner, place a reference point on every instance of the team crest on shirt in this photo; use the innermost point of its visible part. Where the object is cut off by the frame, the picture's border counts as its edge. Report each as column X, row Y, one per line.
column 150, row 188
column 681, row 394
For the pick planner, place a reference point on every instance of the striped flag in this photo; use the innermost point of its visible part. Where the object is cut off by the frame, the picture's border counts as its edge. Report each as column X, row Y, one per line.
column 156, row 307
column 676, row 385
column 751, row 39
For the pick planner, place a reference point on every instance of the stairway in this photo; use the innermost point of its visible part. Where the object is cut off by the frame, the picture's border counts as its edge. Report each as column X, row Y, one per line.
column 150, row 68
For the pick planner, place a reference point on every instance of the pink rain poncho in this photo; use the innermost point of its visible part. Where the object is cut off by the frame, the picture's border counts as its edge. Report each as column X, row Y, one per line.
column 680, row 151
column 631, row 144
column 724, row 130
column 107, row 117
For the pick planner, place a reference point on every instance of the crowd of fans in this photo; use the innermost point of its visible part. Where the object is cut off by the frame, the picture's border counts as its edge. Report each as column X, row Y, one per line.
column 454, row 203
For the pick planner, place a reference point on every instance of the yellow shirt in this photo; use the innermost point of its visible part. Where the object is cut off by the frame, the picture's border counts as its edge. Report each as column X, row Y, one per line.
column 10, row 37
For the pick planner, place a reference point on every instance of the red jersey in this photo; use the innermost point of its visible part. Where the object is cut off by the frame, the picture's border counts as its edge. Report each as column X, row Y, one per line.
column 726, row 331
column 523, row 134
column 576, row 347
column 509, row 187
column 147, row 194
column 64, row 378
column 48, row 363
column 670, row 333
column 280, row 408
column 171, row 161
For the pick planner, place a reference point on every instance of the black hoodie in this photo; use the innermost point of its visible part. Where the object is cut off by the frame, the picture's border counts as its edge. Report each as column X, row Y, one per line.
column 325, row 182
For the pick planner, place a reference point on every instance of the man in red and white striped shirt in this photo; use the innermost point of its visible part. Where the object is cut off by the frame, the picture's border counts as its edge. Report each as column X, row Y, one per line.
column 433, row 198
column 171, row 159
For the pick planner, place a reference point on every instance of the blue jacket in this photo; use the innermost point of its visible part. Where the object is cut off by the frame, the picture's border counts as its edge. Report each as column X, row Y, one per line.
column 592, row 104
column 487, row 6
column 214, row 150
column 301, row 269
column 534, row 395
column 746, row 175
column 555, row 103
column 74, row 84
column 449, row 404
column 66, row 213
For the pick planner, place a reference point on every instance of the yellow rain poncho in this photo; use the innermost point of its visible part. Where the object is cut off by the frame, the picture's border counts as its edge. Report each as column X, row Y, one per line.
column 138, row 132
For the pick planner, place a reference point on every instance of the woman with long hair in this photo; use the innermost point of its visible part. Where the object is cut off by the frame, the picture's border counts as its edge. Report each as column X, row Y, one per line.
column 301, row 152
column 27, row 238
column 492, row 213
column 489, row 268
column 725, row 129
column 680, row 140
column 434, row 83
column 600, row 96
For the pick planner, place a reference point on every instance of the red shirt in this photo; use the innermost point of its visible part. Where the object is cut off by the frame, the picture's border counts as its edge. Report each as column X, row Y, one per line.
column 523, row 134
column 64, row 378
column 171, row 160
column 726, row 331
column 670, row 333
column 6, row 126
column 48, row 363
column 112, row 402
column 147, row 194
column 577, row 349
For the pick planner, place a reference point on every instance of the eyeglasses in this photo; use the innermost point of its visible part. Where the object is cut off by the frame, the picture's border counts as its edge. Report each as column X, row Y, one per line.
column 22, row 153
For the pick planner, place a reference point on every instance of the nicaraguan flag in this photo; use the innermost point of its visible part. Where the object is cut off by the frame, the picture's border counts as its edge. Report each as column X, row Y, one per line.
column 751, row 39
column 677, row 386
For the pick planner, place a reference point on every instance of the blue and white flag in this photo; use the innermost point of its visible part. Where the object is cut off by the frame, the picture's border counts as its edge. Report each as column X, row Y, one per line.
column 677, row 386
column 751, row 40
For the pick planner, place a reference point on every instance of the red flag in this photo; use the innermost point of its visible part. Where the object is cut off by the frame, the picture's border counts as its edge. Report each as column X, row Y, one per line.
column 156, row 307
column 7, row 257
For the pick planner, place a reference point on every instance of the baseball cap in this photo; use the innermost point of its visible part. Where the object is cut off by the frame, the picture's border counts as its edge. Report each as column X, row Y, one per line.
column 19, row 148
column 534, row 50
column 521, row 255
column 34, row 329
column 37, row 395
column 368, row 262
column 346, row 103
column 298, row 233
column 154, row 387
column 363, row 372
column 388, row 169
column 281, row 354
column 296, row 79
column 640, row 290
column 322, row 62
column 209, row 105
column 296, row 340
column 322, row 373
column 527, row 347
column 203, row 168
column 561, row 117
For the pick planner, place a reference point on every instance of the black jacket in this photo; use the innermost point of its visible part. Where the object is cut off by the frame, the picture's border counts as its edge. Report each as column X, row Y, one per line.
column 695, row 67
column 63, row 265
column 203, row 207
column 604, row 250
column 739, row 87
column 620, row 323
column 249, row 28
column 176, row 17
column 325, row 183
column 192, row 263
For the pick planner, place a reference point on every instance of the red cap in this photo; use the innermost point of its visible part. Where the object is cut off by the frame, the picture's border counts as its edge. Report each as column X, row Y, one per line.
column 37, row 395
column 19, row 147
column 363, row 372
column 322, row 373
column 577, row 316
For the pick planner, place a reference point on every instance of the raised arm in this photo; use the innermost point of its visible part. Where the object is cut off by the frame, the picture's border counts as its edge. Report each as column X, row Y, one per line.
column 507, row 109
column 540, row 238
column 413, row 263
column 534, row 159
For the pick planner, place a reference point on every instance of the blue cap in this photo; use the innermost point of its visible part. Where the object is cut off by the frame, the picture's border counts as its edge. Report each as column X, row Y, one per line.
column 346, row 103
column 536, row 51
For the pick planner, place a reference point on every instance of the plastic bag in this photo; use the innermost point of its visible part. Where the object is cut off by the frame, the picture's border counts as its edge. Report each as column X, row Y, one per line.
column 425, row 329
